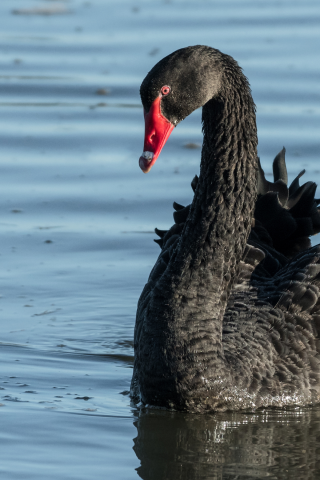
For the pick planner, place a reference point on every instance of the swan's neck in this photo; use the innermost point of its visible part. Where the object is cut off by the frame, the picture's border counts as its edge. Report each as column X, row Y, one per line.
column 220, row 219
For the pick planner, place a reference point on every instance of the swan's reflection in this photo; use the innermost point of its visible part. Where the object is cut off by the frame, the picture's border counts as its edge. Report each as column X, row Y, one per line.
column 274, row 444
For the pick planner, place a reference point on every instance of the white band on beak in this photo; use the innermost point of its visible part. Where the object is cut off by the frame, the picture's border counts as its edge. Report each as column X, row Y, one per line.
column 148, row 156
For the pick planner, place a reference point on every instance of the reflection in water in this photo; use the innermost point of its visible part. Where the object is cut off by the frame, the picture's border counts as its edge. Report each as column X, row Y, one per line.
column 277, row 444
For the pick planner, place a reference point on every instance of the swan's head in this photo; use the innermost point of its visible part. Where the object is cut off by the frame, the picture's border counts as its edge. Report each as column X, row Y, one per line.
column 175, row 87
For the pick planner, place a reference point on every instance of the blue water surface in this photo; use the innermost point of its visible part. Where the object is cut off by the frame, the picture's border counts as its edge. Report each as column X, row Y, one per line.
column 77, row 220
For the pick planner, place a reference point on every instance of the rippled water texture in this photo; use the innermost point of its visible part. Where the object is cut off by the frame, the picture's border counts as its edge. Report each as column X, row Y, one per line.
column 76, row 223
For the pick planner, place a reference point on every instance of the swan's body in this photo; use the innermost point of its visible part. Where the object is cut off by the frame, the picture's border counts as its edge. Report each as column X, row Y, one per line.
column 229, row 316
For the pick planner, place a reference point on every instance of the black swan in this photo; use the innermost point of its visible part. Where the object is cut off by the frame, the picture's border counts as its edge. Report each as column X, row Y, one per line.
column 230, row 315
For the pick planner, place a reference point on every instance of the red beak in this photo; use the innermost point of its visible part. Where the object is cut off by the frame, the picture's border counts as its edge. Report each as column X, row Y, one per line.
column 157, row 132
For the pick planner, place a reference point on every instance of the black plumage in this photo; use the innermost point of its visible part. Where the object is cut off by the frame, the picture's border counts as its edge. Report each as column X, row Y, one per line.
column 230, row 315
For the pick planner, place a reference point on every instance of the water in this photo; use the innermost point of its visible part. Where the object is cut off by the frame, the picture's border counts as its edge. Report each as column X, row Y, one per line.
column 76, row 227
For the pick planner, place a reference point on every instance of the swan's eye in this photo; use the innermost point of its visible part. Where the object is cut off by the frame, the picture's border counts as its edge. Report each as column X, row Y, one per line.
column 165, row 90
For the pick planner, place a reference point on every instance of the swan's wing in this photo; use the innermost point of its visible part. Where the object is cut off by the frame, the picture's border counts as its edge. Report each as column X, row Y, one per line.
column 271, row 330
column 285, row 217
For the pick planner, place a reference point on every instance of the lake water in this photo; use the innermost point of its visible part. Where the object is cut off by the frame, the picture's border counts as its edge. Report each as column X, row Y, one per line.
column 76, row 225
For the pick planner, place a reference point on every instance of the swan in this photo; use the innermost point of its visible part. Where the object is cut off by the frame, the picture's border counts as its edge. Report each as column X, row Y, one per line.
column 230, row 315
